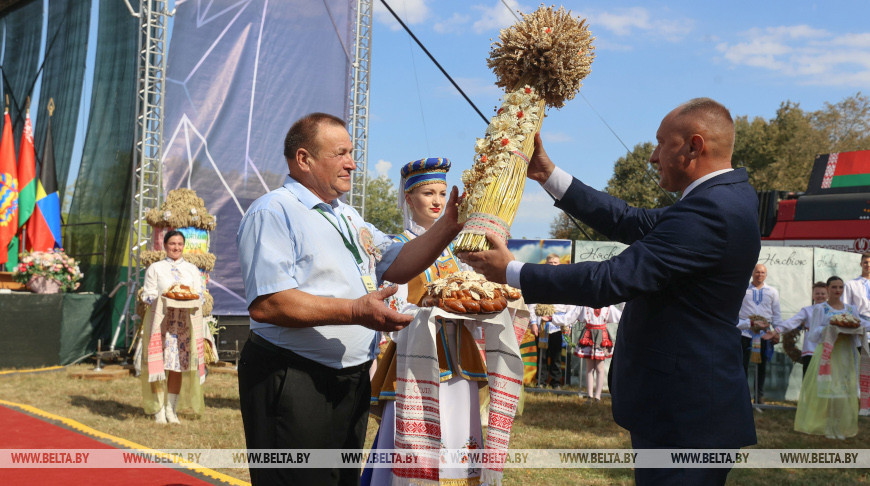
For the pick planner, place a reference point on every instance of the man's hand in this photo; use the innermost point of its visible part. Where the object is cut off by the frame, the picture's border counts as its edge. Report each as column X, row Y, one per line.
column 535, row 329
column 493, row 263
column 370, row 311
column 540, row 165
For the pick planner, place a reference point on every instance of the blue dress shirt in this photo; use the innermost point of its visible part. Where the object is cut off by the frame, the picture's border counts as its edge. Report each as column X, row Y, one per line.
column 289, row 239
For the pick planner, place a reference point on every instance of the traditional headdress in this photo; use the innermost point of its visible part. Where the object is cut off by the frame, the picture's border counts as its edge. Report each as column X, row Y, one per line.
column 419, row 173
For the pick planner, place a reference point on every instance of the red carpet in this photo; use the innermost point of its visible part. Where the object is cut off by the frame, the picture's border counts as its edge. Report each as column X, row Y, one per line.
column 20, row 430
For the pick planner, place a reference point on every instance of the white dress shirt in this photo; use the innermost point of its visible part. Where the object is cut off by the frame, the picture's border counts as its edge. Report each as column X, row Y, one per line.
column 763, row 302
column 857, row 293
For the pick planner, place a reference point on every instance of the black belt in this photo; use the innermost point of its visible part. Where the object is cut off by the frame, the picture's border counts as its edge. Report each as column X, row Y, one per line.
column 302, row 361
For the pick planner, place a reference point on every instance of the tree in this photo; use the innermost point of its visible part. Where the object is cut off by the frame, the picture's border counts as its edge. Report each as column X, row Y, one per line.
column 563, row 228
column 634, row 183
column 779, row 153
column 846, row 124
column 631, row 182
column 381, row 209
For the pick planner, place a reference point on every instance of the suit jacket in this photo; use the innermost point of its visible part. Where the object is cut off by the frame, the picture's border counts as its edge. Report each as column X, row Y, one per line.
column 677, row 371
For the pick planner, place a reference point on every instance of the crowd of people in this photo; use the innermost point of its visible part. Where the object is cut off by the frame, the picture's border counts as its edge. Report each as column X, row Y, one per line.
column 317, row 278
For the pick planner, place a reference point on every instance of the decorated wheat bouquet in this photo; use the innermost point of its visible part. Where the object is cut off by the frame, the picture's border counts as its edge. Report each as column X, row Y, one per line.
column 540, row 61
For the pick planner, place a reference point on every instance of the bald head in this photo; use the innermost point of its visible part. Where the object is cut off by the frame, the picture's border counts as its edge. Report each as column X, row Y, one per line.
column 694, row 139
column 759, row 274
column 713, row 122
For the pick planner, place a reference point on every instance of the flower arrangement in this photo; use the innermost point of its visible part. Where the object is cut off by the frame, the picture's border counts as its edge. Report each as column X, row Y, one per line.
column 52, row 265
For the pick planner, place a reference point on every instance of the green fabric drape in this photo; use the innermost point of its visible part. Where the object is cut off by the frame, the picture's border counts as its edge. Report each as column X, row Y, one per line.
column 63, row 329
column 102, row 188
column 23, row 28
column 62, row 76
column 85, row 321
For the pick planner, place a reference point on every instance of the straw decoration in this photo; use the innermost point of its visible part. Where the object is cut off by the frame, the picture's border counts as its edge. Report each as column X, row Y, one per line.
column 549, row 50
column 540, row 62
column 542, row 310
column 182, row 208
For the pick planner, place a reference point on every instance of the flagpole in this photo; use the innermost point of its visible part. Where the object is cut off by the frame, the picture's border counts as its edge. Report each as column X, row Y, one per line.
column 22, row 230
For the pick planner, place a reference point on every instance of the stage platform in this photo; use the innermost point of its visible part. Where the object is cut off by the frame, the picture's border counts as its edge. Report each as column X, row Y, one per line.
column 51, row 329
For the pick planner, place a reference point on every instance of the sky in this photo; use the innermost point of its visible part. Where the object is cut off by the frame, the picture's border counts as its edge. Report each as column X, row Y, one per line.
column 650, row 57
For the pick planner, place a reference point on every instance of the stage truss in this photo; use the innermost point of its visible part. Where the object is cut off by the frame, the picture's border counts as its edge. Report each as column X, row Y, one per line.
column 359, row 103
column 147, row 172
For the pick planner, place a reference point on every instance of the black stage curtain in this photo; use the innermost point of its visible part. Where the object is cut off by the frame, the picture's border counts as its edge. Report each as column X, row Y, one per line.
column 62, row 78
column 23, row 29
column 102, row 188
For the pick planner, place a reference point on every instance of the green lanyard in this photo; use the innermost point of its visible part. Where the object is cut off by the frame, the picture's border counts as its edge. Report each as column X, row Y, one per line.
column 347, row 243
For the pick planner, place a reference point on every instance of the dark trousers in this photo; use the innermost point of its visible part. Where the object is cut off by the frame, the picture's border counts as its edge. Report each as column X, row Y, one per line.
column 554, row 354
column 672, row 476
column 762, row 367
column 290, row 402
column 805, row 361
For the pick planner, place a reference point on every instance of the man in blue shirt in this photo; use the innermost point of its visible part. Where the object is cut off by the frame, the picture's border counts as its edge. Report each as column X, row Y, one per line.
column 311, row 267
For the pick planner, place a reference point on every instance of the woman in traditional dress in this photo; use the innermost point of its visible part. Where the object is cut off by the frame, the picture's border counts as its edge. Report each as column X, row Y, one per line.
column 462, row 372
column 595, row 346
column 177, row 347
column 828, row 403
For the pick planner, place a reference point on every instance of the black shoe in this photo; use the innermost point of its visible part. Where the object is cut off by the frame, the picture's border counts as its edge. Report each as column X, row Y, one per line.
column 759, row 400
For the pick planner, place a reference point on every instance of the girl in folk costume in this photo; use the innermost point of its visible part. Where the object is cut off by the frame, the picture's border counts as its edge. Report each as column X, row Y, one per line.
column 462, row 368
column 596, row 345
column 829, row 399
column 172, row 339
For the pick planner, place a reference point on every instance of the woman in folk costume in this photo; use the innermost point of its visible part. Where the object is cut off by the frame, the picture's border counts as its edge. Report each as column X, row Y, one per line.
column 596, row 345
column 462, row 368
column 172, row 340
column 829, row 398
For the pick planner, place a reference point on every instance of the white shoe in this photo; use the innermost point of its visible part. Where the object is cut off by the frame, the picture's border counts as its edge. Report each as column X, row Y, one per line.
column 160, row 416
column 170, row 415
column 172, row 400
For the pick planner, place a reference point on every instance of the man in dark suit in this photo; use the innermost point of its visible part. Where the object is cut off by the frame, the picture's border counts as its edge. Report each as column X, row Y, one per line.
column 677, row 373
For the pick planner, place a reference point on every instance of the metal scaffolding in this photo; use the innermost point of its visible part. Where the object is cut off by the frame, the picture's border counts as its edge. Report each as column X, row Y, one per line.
column 359, row 103
column 147, row 172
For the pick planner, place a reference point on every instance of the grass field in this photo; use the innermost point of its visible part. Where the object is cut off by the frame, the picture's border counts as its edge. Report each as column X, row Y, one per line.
column 549, row 421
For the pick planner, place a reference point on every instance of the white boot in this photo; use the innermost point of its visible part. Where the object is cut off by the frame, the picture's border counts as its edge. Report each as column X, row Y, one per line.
column 171, row 401
column 160, row 416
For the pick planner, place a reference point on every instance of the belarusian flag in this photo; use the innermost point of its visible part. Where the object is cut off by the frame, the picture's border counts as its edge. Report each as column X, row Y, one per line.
column 26, row 174
column 8, row 189
column 26, row 190
column 847, row 169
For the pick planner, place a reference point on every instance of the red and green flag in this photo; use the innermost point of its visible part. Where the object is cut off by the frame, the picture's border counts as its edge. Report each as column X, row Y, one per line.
column 8, row 190
column 26, row 174
column 26, row 190
column 43, row 230
column 847, row 169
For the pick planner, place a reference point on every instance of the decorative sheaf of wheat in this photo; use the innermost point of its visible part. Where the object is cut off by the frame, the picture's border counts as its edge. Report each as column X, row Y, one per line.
column 540, row 61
